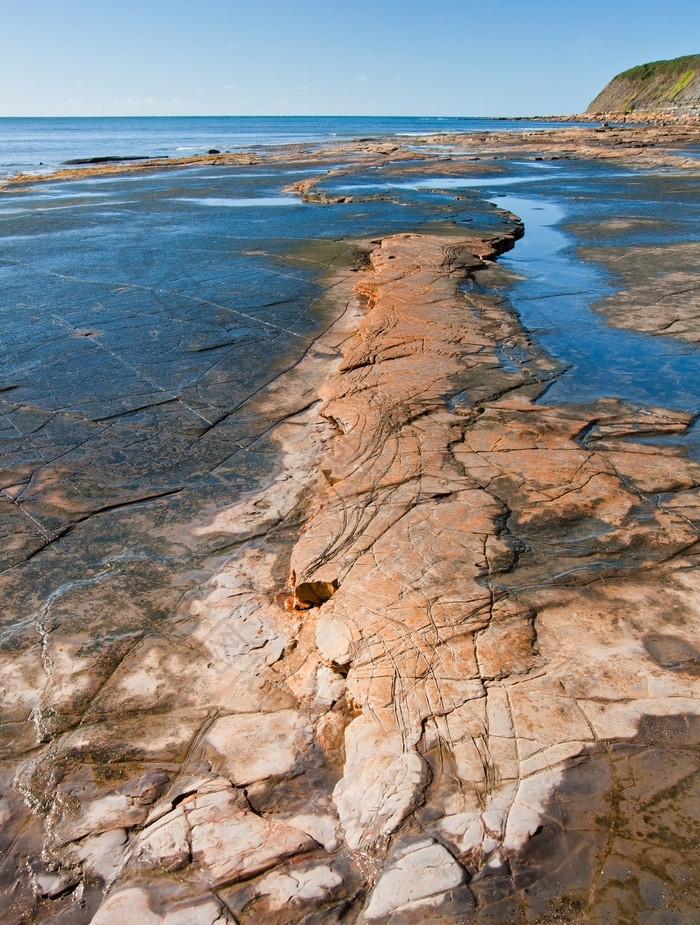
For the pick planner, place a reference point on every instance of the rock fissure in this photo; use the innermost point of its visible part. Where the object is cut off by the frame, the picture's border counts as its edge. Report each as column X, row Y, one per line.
column 437, row 734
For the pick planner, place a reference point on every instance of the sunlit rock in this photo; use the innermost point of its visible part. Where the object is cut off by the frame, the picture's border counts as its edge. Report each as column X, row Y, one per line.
column 252, row 747
column 384, row 780
column 419, row 874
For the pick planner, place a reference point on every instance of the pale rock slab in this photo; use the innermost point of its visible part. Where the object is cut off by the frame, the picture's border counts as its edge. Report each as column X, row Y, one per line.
column 320, row 821
column 23, row 678
column 256, row 746
column 611, row 719
column 315, row 882
column 128, row 905
column 100, row 855
column 164, row 844
column 51, row 884
column 417, row 875
column 383, row 781
column 112, row 811
column 317, row 684
column 333, row 638
column 463, row 831
column 229, row 842
column 330, row 687
column 207, row 911
column 131, row 905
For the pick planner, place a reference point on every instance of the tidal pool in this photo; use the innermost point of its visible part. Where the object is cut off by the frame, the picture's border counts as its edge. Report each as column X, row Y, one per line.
column 553, row 297
column 144, row 338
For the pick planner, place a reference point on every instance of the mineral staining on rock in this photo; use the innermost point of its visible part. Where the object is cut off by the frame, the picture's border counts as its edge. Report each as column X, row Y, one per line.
column 499, row 570
column 482, row 702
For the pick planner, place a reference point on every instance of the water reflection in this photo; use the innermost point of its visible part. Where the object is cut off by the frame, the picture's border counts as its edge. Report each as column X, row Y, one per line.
column 553, row 296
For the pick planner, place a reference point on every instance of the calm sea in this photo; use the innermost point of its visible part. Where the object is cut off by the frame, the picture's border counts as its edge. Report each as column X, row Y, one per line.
column 144, row 316
column 36, row 143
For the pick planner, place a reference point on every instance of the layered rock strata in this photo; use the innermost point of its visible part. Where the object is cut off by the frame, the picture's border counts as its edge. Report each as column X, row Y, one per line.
column 493, row 718
column 517, row 591
column 659, row 85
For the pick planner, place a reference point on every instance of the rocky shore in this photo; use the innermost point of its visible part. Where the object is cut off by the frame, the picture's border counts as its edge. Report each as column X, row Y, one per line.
column 449, row 673
column 494, row 716
column 652, row 139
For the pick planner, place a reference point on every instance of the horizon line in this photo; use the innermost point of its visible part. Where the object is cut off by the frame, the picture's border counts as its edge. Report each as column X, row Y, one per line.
column 288, row 115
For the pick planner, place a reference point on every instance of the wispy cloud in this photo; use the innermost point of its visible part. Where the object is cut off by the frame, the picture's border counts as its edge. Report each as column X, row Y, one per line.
column 131, row 103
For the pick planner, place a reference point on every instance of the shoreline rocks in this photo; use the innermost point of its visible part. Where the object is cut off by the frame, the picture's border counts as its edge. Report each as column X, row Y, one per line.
column 495, row 716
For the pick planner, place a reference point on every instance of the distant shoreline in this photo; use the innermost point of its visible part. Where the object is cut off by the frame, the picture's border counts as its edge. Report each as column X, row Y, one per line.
column 653, row 142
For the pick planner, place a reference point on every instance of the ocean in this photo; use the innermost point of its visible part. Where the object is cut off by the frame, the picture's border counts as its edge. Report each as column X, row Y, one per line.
column 142, row 315
column 35, row 144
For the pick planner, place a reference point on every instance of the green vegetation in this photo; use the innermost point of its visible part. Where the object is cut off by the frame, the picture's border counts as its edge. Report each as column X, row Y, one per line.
column 682, row 83
column 652, row 86
column 646, row 72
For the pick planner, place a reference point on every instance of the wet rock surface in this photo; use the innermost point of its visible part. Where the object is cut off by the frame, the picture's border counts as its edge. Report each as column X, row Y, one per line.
column 659, row 300
column 475, row 697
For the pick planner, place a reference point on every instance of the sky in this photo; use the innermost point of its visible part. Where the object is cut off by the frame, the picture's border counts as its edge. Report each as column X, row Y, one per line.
column 324, row 57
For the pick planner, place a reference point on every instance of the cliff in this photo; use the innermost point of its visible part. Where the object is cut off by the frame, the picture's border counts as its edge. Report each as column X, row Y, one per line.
column 659, row 85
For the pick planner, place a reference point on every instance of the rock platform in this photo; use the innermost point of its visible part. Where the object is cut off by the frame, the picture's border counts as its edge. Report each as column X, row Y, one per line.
column 476, row 699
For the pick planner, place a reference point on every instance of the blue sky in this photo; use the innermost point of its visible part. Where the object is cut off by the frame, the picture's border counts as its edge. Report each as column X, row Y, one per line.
column 316, row 57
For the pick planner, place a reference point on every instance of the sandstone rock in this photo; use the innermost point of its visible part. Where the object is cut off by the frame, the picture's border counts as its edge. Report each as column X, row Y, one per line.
column 317, row 683
column 384, row 780
column 164, row 844
column 319, row 820
column 418, row 875
column 52, row 884
column 309, row 883
column 100, row 855
column 95, row 816
column 127, row 905
column 132, row 905
column 205, row 911
column 230, row 843
column 256, row 746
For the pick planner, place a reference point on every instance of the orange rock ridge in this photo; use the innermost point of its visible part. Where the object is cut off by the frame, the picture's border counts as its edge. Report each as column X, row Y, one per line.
column 481, row 701
column 508, row 579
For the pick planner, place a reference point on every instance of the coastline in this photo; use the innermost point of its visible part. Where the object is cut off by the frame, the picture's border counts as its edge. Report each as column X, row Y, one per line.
column 448, row 734
column 456, row 687
column 644, row 142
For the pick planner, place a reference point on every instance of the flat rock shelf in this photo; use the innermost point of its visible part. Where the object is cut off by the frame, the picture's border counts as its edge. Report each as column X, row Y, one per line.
column 406, row 632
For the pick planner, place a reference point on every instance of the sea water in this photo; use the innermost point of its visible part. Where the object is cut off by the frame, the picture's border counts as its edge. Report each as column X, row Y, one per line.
column 144, row 310
column 31, row 144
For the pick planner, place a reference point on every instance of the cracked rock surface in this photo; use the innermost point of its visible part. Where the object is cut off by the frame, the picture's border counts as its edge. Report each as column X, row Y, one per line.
column 503, row 572
column 487, row 713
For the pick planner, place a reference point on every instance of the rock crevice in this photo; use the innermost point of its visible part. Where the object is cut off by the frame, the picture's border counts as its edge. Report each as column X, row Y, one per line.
column 469, row 685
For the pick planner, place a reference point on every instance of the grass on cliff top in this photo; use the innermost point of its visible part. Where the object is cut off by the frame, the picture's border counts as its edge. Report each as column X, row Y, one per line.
column 676, row 67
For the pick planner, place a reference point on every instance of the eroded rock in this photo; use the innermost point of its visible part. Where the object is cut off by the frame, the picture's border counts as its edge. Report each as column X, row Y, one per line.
column 419, row 874
column 488, row 709
column 256, row 746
